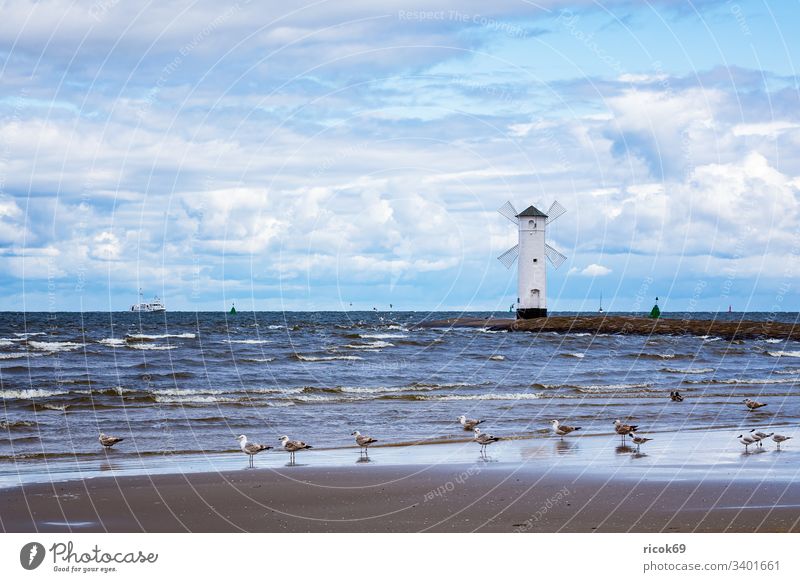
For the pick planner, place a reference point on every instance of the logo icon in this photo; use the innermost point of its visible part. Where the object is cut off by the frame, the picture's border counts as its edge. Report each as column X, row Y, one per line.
column 31, row 555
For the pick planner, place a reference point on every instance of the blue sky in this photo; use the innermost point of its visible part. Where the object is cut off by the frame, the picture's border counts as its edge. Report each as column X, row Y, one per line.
column 327, row 154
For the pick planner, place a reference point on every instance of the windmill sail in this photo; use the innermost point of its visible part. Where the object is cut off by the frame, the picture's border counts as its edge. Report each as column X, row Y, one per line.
column 556, row 258
column 508, row 257
column 509, row 212
column 554, row 212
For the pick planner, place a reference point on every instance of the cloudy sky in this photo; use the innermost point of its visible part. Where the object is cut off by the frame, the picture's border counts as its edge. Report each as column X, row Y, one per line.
column 317, row 154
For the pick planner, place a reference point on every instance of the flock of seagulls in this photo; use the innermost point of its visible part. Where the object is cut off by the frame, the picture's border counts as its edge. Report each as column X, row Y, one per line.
column 754, row 437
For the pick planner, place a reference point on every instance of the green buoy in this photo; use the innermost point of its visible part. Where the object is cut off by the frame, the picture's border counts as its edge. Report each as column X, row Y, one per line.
column 233, row 309
column 655, row 313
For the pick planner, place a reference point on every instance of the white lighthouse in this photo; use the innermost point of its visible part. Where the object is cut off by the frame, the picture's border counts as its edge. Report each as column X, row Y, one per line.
column 532, row 249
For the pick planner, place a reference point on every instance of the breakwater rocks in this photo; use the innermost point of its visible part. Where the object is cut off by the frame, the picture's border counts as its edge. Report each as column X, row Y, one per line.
column 630, row 325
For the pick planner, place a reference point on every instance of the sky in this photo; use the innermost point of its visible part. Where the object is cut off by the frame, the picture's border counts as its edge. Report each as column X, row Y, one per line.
column 330, row 155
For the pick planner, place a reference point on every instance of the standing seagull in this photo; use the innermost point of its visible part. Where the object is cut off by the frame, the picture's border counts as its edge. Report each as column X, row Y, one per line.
column 638, row 441
column 363, row 441
column 752, row 404
column 746, row 440
column 484, row 439
column 779, row 438
column 624, row 429
column 468, row 423
column 109, row 441
column 293, row 446
column 251, row 449
column 759, row 436
column 562, row 429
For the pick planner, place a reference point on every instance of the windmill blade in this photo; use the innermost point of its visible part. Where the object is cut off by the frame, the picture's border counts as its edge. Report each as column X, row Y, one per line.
column 554, row 212
column 508, row 257
column 555, row 257
column 509, row 212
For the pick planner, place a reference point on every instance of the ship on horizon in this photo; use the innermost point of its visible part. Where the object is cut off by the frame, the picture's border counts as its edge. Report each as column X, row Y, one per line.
column 154, row 306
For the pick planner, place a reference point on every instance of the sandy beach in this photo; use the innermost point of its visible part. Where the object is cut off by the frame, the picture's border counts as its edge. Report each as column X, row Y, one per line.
column 680, row 482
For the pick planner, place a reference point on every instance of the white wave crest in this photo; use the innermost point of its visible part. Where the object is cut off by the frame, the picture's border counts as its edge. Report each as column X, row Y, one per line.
column 688, row 370
column 154, row 347
column 112, row 341
column 785, row 354
column 55, row 346
column 144, row 336
column 370, row 345
column 253, row 342
column 325, row 358
column 30, row 394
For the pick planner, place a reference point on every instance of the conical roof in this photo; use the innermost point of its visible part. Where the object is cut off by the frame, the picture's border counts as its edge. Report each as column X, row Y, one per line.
column 532, row 211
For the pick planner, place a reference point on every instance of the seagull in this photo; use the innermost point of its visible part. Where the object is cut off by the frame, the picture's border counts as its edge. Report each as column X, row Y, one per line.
column 759, row 436
column 779, row 438
column 109, row 441
column 468, row 423
column 292, row 446
column 624, row 429
column 638, row 441
column 746, row 440
column 562, row 429
column 752, row 404
column 363, row 441
column 251, row 449
column 484, row 439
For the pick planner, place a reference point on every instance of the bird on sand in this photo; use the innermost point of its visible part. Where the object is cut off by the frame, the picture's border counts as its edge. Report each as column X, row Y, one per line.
column 363, row 441
column 753, row 404
column 638, row 441
column 779, row 438
column 293, row 446
column 468, row 423
column 759, row 436
column 624, row 429
column 484, row 439
column 563, row 430
column 746, row 440
column 109, row 441
column 251, row 449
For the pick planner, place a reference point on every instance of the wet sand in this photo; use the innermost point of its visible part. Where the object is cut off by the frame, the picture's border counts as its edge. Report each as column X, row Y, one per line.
column 681, row 483
column 628, row 325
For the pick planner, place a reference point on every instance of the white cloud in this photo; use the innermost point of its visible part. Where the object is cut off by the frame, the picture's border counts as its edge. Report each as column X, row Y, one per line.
column 595, row 270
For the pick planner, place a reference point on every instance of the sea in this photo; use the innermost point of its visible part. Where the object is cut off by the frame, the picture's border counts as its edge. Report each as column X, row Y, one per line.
column 186, row 383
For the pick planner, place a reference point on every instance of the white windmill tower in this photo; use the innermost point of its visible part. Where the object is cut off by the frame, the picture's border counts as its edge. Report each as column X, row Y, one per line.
column 532, row 250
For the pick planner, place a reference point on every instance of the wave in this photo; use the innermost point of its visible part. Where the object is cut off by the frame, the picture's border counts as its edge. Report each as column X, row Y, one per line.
column 600, row 389
column 781, row 354
column 258, row 360
column 18, row 355
column 254, row 342
column 774, row 340
column 55, row 346
column 497, row 358
column 381, row 335
column 138, row 337
column 573, row 355
column 16, row 424
column 657, row 356
column 112, row 342
column 323, row 358
column 710, row 381
column 154, row 347
column 787, row 371
column 30, row 394
column 687, row 370
column 491, row 396
column 376, row 345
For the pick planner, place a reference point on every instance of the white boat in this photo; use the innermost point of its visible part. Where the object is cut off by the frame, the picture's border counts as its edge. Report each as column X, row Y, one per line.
column 154, row 306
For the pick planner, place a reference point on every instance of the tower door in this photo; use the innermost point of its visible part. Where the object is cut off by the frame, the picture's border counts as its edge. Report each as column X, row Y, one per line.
column 535, row 298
